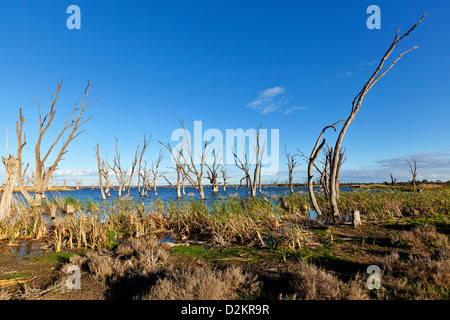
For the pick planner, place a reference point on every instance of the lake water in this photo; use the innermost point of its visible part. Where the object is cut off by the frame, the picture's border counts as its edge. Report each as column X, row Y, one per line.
column 166, row 193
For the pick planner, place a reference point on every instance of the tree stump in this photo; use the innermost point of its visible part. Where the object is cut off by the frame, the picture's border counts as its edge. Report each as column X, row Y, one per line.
column 11, row 168
column 69, row 209
column 53, row 212
column 356, row 218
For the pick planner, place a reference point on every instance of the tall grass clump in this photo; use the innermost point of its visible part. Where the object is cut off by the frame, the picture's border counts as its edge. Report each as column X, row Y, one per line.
column 243, row 220
column 385, row 205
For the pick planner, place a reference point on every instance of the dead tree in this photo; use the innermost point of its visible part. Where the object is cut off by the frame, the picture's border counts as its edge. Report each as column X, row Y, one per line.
column 154, row 170
column 29, row 179
column 245, row 166
column 11, row 172
column 246, row 177
column 393, row 180
column 413, row 166
column 143, row 174
column 325, row 174
column 133, row 168
column 100, row 173
column 212, row 174
column 78, row 184
column 72, row 126
column 119, row 172
column 191, row 168
column 225, row 176
column 292, row 164
column 356, row 104
column 311, row 160
column 177, row 157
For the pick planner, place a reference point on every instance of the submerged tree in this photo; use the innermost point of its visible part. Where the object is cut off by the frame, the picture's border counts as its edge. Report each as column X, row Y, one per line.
column 143, row 172
column 119, row 171
column 244, row 164
column 292, row 164
column 212, row 173
column 155, row 171
column 103, row 175
column 190, row 167
column 177, row 157
column 225, row 176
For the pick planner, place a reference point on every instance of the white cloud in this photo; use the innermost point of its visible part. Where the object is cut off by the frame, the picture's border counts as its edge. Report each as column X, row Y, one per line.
column 75, row 173
column 272, row 99
column 271, row 93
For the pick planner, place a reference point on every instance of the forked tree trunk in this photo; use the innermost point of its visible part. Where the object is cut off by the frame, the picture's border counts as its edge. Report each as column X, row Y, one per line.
column 11, row 168
column 356, row 104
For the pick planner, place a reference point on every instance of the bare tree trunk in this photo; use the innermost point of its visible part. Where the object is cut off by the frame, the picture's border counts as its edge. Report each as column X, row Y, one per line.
column 11, row 170
column 244, row 165
column 356, row 104
column 225, row 177
column 177, row 157
column 212, row 174
column 72, row 126
column 413, row 168
column 393, row 180
column 119, row 171
column 292, row 164
column 259, row 179
column 191, row 168
column 314, row 154
column 155, row 168
column 100, row 180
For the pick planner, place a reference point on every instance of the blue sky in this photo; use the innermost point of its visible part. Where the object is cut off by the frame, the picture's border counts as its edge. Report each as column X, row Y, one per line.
column 288, row 65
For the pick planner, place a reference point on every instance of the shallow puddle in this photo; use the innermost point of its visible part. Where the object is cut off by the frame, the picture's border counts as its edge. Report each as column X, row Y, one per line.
column 24, row 248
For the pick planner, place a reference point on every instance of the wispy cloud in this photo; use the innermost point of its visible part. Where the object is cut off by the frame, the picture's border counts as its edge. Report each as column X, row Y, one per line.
column 363, row 65
column 291, row 109
column 359, row 67
column 345, row 74
column 433, row 161
column 431, row 166
column 75, row 173
column 273, row 99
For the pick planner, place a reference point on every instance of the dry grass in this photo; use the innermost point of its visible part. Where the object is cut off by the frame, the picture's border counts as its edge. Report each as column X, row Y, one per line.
column 145, row 259
column 144, row 254
column 5, row 295
column 308, row 282
column 419, row 277
column 203, row 283
column 420, row 238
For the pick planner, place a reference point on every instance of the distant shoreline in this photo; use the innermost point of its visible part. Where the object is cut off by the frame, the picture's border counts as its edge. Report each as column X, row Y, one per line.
column 367, row 186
